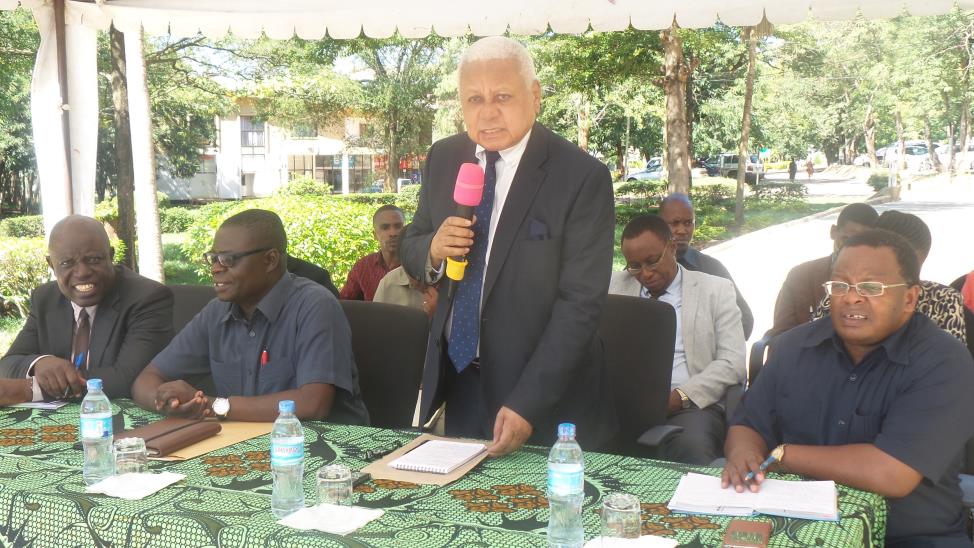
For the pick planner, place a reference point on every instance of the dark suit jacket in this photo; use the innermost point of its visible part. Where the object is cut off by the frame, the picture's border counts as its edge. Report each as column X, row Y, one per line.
column 313, row 272
column 133, row 323
column 545, row 284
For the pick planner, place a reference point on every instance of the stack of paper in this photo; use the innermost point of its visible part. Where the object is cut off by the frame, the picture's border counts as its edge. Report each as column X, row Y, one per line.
column 439, row 456
column 701, row 494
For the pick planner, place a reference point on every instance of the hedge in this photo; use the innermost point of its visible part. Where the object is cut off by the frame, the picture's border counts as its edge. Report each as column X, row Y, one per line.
column 327, row 231
column 27, row 226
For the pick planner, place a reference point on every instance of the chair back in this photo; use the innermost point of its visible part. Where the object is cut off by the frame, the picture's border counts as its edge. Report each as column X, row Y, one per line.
column 638, row 336
column 389, row 345
column 188, row 300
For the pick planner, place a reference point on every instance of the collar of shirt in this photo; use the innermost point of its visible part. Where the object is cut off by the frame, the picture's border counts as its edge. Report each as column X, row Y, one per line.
column 896, row 345
column 90, row 309
column 398, row 276
column 377, row 261
column 675, row 287
column 506, row 168
column 272, row 303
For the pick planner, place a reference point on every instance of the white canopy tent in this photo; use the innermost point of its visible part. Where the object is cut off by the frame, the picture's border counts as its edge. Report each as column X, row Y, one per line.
column 314, row 19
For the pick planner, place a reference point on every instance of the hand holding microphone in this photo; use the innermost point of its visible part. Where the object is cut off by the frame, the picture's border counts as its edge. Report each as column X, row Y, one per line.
column 454, row 237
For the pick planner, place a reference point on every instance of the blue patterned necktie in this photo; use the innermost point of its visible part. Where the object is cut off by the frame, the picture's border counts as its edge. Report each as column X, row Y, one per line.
column 465, row 329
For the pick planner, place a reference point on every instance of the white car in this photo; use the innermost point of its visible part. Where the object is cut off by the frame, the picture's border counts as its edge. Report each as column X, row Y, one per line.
column 653, row 174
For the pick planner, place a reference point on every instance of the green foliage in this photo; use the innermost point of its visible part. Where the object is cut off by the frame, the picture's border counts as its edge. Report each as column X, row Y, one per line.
column 653, row 191
column 27, row 226
column 780, row 192
column 878, row 179
column 9, row 328
column 19, row 40
column 408, row 199
column 173, row 220
column 22, row 268
column 329, row 232
column 375, row 199
column 304, row 186
column 106, row 211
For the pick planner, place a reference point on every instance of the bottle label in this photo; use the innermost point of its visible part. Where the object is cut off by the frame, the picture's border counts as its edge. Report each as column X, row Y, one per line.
column 287, row 451
column 96, row 426
column 566, row 480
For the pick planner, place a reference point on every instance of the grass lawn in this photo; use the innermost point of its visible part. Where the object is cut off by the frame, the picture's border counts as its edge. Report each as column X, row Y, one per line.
column 179, row 268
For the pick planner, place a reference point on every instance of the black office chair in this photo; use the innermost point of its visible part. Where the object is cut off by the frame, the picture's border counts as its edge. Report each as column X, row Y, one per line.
column 188, row 300
column 389, row 344
column 638, row 337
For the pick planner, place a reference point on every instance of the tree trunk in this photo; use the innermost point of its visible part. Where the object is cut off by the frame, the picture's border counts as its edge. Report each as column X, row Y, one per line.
column 869, row 133
column 901, row 143
column 123, row 149
column 742, row 155
column 931, row 153
column 625, row 151
column 583, row 116
column 143, row 159
column 392, row 148
column 965, row 128
column 674, row 86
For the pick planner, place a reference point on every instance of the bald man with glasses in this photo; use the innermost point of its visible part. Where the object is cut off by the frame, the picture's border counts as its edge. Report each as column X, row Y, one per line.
column 268, row 336
column 876, row 397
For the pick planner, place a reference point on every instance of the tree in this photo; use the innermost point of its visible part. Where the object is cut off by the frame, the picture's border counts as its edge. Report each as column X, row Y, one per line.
column 19, row 40
column 750, row 36
column 677, row 71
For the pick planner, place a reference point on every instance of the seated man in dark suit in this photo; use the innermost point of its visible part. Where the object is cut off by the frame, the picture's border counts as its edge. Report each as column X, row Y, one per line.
column 876, row 397
column 677, row 211
column 268, row 336
column 98, row 320
column 802, row 290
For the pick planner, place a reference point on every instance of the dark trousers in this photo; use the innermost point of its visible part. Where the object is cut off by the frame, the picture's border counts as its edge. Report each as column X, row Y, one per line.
column 466, row 416
column 702, row 438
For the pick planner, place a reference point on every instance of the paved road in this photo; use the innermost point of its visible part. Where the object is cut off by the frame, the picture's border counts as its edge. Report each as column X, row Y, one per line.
column 759, row 261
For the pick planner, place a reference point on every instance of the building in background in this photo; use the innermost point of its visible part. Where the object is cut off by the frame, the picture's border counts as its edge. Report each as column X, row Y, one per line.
column 252, row 158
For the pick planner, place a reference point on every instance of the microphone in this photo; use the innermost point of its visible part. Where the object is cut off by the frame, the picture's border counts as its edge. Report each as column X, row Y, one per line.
column 467, row 194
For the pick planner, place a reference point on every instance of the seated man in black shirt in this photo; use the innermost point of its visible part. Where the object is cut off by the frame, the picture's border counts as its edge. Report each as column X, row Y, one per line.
column 876, row 397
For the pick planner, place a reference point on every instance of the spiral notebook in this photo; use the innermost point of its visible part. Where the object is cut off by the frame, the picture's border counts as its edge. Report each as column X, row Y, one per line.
column 439, row 456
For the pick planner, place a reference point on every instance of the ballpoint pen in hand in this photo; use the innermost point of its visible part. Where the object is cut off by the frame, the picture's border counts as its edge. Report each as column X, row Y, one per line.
column 77, row 366
column 776, row 455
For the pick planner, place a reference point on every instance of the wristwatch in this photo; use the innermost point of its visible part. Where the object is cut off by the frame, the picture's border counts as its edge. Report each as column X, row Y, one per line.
column 685, row 402
column 778, row 453
column 221, row 406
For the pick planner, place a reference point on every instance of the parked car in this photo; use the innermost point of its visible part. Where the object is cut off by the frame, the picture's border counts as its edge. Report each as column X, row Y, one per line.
column 653, row 174
column 655, row 161
column 917, row 157
column 727, row 165
column 710, row 165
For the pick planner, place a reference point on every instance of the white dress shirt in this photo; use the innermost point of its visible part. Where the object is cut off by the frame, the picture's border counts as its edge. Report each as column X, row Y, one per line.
column 673, row 296
column 505, row 167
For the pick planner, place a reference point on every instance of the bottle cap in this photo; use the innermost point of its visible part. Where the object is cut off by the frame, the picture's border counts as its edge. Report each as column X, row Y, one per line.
column 566, row 430
column 94, row 384
column 285, row 406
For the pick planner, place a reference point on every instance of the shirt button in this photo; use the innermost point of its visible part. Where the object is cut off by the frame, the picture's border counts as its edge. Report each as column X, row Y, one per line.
column 252, row 334
column 841, row 423
column 852, row 377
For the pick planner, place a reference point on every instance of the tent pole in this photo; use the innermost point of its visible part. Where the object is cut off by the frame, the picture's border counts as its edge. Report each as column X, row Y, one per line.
column 62, row 70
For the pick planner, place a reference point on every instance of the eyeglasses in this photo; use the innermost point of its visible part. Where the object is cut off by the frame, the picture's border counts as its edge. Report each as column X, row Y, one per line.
column 227, row 260
column 864, row 289
column 636, row 270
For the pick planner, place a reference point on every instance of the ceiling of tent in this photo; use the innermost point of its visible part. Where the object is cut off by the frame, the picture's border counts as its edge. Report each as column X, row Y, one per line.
column 312, row 19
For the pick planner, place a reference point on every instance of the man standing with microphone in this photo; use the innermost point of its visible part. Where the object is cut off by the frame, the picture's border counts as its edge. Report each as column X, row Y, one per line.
column 516, row 351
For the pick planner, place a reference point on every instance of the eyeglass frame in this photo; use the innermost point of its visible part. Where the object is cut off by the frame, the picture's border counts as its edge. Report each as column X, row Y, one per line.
column 212, row 258
column 651, row 267
column 828, row 287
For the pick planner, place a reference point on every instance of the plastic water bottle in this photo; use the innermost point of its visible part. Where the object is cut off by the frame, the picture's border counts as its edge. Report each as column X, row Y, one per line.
column 287, row 461
column 566, row 490
column 96, row 434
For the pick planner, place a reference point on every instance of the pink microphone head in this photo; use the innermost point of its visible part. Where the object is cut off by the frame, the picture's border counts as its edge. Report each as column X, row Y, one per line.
column 470, row 185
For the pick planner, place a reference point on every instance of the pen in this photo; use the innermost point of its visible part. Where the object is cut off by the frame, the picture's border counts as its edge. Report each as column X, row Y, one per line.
column 264, row 358
column 372, row 454
column 77, row 365
column 764, row 466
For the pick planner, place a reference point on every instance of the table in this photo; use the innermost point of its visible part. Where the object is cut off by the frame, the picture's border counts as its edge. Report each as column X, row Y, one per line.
column 225, row 499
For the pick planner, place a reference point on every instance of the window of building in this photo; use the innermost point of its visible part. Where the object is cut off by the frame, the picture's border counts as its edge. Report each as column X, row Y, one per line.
column 300, row 166
column 252, row 138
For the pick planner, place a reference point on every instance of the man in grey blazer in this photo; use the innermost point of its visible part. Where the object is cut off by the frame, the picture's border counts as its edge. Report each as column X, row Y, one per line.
column 97, row 320
column 709, row 350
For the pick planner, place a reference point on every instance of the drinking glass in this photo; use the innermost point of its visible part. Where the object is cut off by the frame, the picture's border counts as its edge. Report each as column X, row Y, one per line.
column 620, row 516
column 130, row 456
column 335, row 484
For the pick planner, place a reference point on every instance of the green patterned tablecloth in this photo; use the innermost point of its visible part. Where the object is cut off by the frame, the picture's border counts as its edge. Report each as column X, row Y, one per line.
column 225, row 499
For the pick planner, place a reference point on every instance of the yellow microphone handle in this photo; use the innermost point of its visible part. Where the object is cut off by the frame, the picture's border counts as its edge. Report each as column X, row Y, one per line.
column 455, row 268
